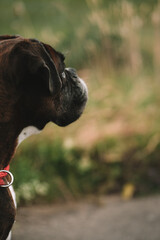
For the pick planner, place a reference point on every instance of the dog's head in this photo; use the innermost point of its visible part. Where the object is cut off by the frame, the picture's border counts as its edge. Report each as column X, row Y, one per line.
column 42, row 88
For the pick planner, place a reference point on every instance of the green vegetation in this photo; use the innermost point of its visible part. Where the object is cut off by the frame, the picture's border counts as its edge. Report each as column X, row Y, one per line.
column 115, row 45
column 52, row 172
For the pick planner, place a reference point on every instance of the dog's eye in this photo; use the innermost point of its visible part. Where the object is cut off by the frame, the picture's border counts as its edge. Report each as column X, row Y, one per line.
column 63, row 75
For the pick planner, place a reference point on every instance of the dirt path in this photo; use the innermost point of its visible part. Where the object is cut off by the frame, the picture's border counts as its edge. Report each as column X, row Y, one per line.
column 112, row 219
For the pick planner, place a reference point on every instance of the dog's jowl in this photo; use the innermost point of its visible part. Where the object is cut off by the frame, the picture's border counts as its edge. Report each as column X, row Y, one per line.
column 35, row 88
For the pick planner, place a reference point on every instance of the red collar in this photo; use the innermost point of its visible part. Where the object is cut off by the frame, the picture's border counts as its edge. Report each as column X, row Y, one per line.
column 3, row 174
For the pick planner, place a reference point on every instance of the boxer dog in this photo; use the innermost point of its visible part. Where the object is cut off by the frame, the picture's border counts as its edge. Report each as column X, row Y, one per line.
column 35, row 88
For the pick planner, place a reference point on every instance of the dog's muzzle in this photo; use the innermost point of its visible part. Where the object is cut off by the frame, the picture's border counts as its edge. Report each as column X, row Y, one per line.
column 73, row 98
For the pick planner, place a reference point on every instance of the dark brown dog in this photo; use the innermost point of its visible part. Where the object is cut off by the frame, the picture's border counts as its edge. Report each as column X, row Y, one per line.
column 35, row 88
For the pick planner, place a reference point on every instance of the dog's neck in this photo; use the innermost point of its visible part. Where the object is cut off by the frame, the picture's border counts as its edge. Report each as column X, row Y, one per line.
column 10, row 138
column 8, row 142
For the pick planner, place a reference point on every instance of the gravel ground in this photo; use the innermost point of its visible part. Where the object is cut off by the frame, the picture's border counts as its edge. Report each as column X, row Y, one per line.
column 109, row 219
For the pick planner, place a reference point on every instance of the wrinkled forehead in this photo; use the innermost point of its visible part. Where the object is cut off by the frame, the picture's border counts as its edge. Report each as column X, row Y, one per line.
column 56, row 56
column 7, row 37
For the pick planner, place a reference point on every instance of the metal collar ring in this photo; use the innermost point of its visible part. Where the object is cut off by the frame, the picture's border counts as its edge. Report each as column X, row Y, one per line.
column 11, row 176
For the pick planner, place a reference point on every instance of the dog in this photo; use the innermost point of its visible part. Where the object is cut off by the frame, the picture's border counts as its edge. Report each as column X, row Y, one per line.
column 35, row 88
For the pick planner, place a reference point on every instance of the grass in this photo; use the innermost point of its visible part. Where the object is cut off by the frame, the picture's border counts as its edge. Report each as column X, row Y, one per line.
column 115, row 47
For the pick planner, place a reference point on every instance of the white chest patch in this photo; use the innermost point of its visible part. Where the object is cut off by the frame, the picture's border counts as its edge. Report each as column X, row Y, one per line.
column 27, row 132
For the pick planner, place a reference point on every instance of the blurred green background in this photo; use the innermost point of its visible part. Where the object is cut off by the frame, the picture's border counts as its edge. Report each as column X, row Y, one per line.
column 115, row 146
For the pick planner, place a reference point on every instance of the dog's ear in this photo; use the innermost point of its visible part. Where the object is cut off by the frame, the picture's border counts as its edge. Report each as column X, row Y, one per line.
column 39, row 71
column 33, row 68
column 55, row 82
